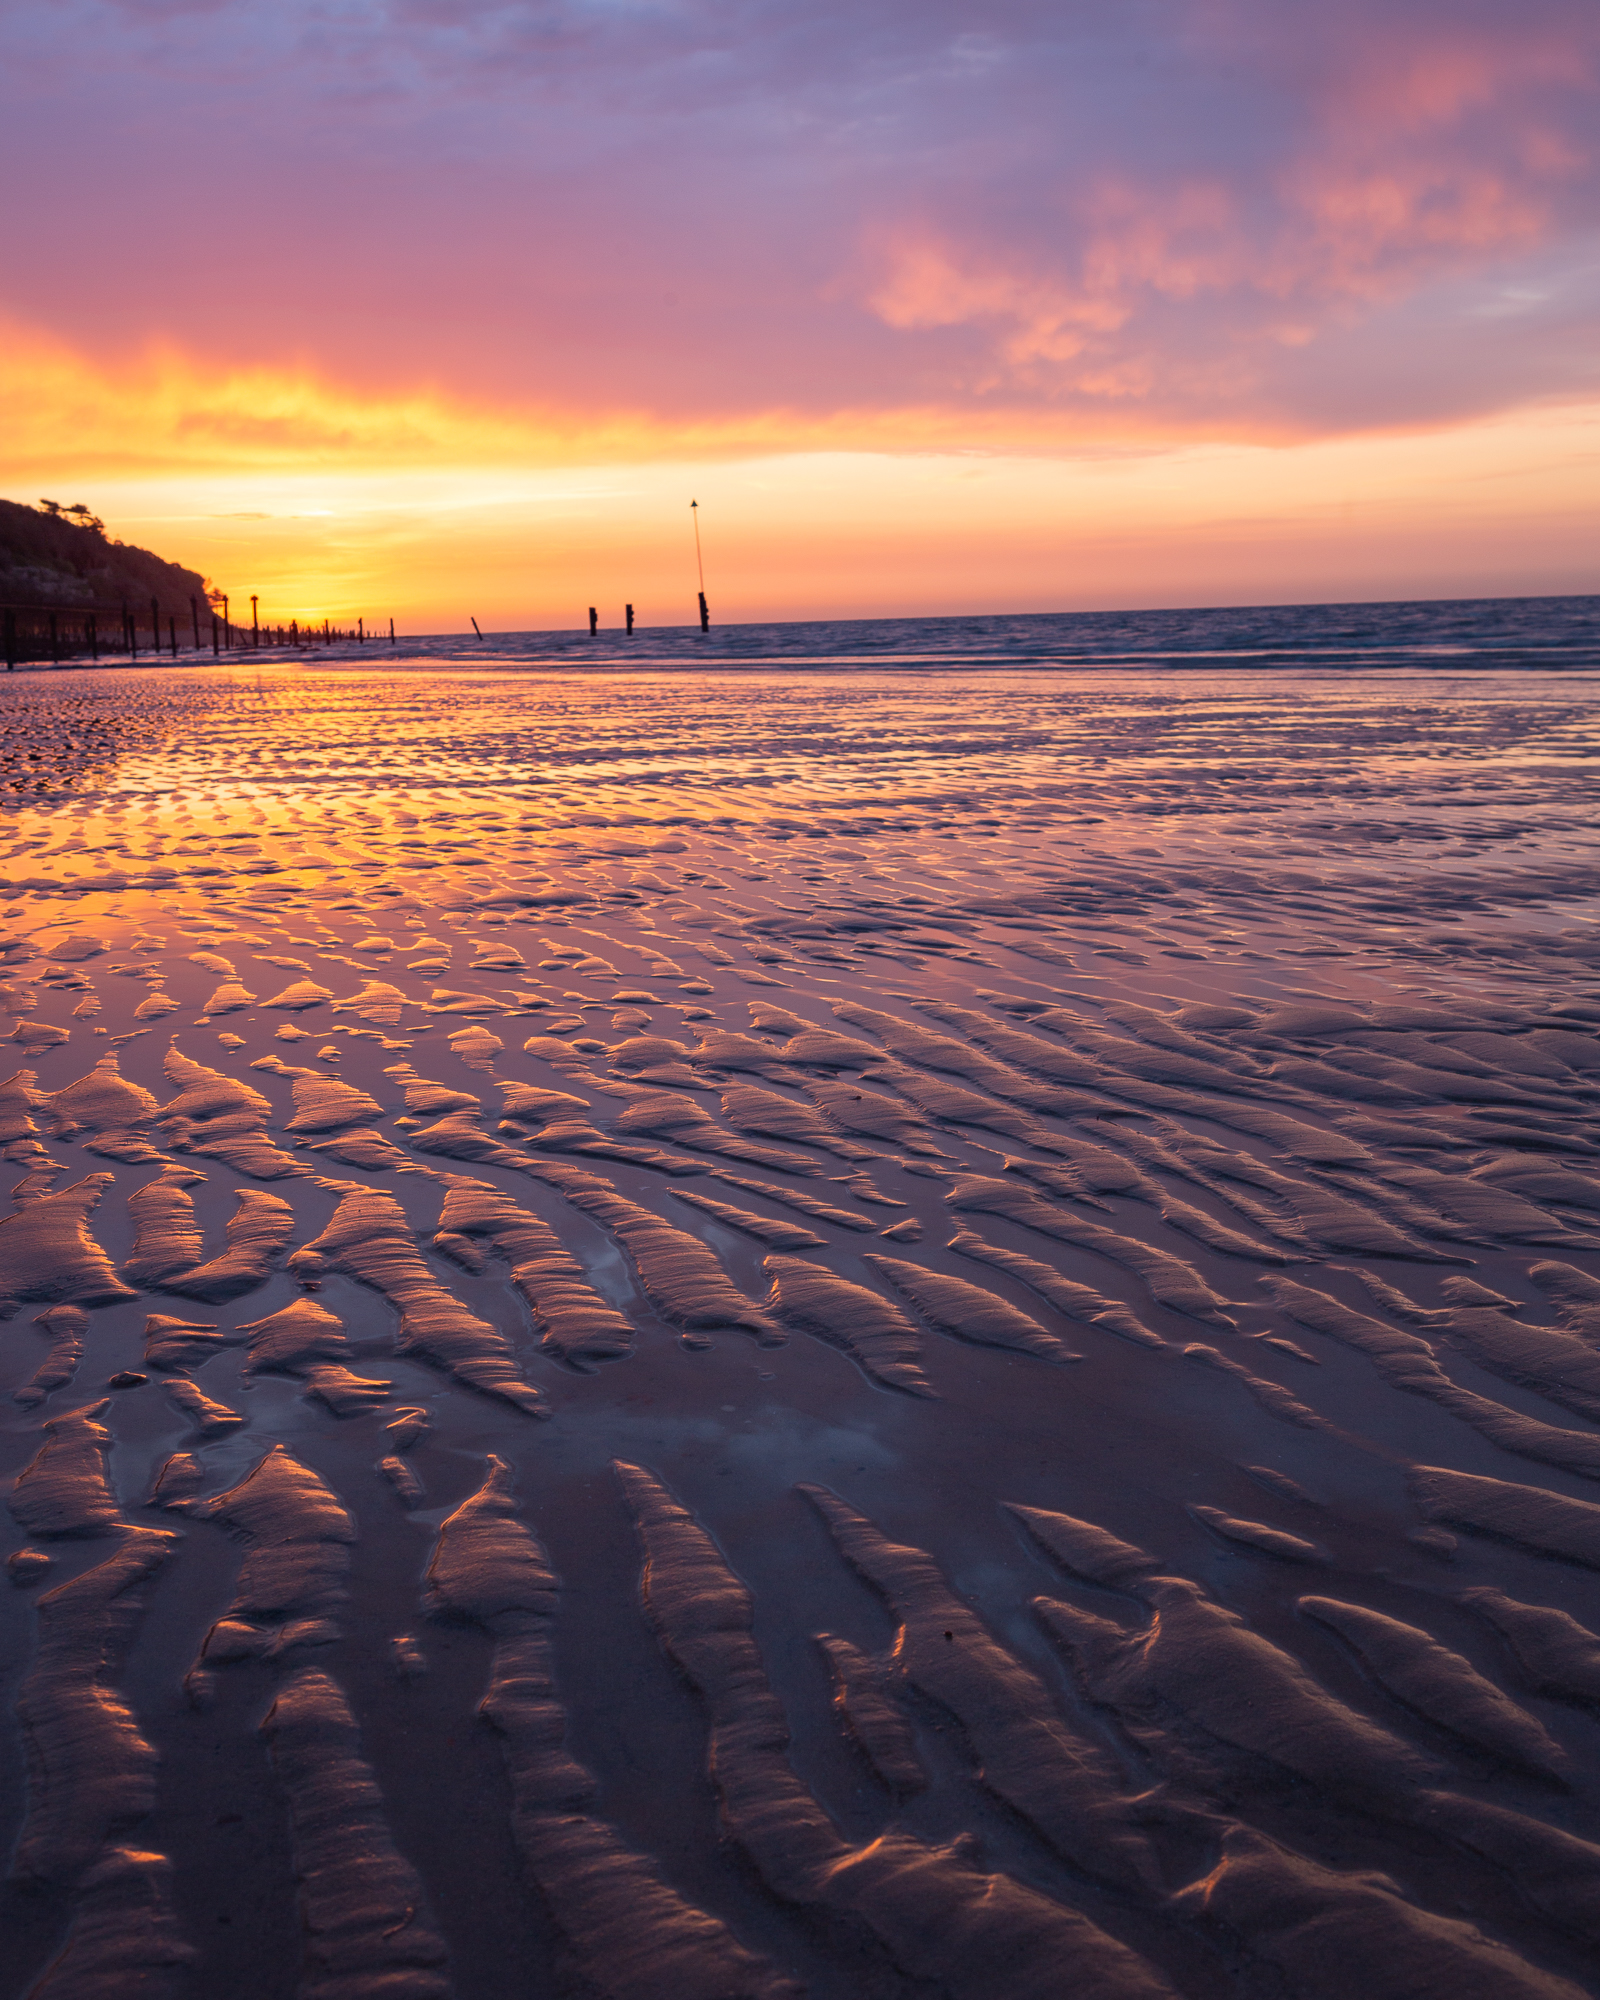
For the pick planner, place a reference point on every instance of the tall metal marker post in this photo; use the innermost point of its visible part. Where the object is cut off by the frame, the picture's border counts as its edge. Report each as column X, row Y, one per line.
column 705, row 609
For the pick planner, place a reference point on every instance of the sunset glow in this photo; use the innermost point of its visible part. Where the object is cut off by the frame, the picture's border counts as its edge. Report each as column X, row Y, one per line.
column 448, row 312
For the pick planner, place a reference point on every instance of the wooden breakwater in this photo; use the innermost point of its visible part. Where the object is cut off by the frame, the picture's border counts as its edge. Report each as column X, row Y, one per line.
column 71, row 635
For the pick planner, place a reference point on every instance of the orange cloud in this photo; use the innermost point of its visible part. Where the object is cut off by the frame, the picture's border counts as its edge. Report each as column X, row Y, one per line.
column 65, row 415
column 1501, row 507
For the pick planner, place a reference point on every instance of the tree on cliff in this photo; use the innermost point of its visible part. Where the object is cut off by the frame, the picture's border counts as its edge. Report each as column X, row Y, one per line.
column 61, row 557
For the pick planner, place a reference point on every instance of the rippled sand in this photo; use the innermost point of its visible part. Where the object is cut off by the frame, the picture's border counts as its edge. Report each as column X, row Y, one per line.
column 878, row 1336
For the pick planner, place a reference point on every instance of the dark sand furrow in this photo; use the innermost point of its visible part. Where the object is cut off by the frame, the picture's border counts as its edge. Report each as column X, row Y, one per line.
column 209, row 1417
column 1559, row 1656
column 968, row 1312
column 870, row 1717
column 751, row 1109
column 256, row 1233
column 369, row 1238
column 1327, row 1933
column 64, row 1328
column 928, row 1909
column 91, row 1773
column 63, row 1489
column 1061, row 1782
column 630, row 1934
column 1196, row 1669
column 573, row 1322
column 854, row 1109
column 680, row 1276
column 1407, row 1362
column 1077, row 1301
column 368, row 1931
column 1548, row 1524
column 771, row 1230
column 1441, row 1686
column 1172, row 1283
column 167, row 1237
column 103, row 1103
column 871, row 1329
column 670, row 1115
column 799, row 1198
column 291, row 1581
column 1259, row 1537
column 1274, row 1399
column 172, row 1343
column 126, row 1941
column 47, row 1253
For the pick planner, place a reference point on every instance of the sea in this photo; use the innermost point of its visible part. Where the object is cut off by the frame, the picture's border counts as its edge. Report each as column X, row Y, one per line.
column 1555, row 634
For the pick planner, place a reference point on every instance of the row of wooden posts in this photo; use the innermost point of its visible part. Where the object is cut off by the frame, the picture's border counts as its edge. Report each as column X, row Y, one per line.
column 594, row 618
column 52, row 629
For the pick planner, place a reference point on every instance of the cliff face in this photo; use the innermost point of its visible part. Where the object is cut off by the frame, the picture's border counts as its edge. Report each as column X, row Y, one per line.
column 49, row 560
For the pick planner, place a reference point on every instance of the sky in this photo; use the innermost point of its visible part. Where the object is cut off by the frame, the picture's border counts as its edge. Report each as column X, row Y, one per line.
column 447, row 308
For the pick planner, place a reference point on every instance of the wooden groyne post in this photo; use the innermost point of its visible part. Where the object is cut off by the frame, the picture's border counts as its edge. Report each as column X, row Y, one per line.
column 700, row 566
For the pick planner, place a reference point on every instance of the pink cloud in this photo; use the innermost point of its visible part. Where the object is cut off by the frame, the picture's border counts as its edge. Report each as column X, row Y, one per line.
column 1252, row 213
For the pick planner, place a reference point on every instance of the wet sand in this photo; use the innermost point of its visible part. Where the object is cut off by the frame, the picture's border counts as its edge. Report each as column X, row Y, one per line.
column 875, row 1335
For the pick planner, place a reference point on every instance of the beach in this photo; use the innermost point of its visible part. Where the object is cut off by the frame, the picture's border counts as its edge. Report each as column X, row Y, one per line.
column 908, row 1328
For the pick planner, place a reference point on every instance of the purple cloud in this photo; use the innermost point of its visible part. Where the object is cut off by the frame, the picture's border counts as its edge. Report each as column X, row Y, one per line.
column 1261, row 216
